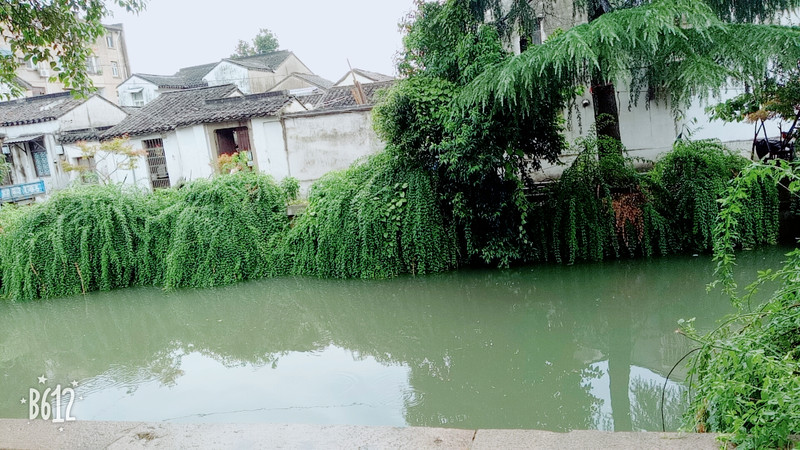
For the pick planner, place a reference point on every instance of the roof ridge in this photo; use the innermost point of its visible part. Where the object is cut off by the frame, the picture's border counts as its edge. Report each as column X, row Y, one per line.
column 38, row 97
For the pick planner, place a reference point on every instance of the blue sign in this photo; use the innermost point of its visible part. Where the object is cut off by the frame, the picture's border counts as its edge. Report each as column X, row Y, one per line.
column 23, row 191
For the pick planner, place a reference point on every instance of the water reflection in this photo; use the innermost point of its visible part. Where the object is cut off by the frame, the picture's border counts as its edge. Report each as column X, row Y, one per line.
column 557, row 348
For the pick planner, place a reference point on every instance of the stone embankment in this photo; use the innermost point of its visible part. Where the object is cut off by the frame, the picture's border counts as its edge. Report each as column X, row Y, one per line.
column 23, row 434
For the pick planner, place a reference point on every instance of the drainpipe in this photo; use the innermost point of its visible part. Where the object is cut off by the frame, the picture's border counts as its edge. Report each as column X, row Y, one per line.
column 285, row 146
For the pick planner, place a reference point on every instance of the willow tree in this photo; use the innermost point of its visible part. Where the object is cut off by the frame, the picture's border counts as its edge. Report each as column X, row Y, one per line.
column 676, row 49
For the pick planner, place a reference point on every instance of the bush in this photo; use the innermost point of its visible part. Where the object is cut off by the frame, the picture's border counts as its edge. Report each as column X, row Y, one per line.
column 748, row 370
column 81, row 240
column 376, row 219
column 218, row 232
column 687, row 184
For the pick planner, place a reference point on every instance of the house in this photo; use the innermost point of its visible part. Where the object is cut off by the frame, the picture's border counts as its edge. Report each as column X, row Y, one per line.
column 251, row 75
column 186, row 131
column 647, row 129
column 363, row 77
column 141, row 88
column 107, row 67
column 258, row 73
column 30, row 129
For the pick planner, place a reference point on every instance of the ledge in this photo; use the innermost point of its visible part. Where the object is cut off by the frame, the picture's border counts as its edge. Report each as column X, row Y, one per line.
column 21, row 433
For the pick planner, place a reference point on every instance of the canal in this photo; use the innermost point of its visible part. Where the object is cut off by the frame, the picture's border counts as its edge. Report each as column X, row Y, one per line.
column 548, row 347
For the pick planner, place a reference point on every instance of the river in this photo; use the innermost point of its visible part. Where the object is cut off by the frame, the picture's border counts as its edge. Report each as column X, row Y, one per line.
column 549, row 347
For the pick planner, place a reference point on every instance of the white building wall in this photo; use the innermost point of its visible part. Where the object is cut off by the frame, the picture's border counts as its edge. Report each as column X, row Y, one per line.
column 93, row 113
column 125, row 91
column 269, row 148
column 320, row 143
column 194, row 151
column 228, row 73
column 108, row 166
column 24, row 170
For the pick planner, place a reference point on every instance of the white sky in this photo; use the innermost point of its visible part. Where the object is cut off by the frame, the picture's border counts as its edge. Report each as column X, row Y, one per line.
column 171, row 34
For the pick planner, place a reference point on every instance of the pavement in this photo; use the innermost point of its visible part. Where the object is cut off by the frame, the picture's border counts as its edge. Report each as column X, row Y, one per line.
column 26, row 434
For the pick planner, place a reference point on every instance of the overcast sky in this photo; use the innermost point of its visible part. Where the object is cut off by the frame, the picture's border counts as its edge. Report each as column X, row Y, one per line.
column 171, row 34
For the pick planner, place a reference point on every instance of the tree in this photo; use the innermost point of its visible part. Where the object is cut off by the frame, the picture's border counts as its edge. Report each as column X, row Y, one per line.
column 107, row 158
column 480, row 154
column 673, row 48
column 58, row 32
column 264, row 42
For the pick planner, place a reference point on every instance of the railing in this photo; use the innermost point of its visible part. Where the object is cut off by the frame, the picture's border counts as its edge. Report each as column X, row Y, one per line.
column 17, row 192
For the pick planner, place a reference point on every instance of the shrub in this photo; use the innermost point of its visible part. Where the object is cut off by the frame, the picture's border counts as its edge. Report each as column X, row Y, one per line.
column 80, row 240
column 687, row 183
column 216, row 233
column 379, row 218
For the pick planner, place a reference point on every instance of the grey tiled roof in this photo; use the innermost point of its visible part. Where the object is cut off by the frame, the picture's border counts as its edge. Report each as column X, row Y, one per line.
column 309, row 99
column 187, row 77
column 90, row 134
column 316, row 80
column 342, row 96
column 200, row 105
column 164, row 81
column 241, row 108
column 374, row 76
column 194, row 74
column 42, row 108
column 265, row 61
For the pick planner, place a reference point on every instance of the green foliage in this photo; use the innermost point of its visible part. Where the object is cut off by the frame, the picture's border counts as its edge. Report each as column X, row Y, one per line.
column 748, row 371
column 81, row 240
column 380, row 218
column 411, row 117
column 264, row 42
column 89, row 238
column 57, row 33
column 217, row 233
column 480, row 154
column 689, row 182
column 676, row 48
column 774, row 96
column 290, row 187
column 601, row 207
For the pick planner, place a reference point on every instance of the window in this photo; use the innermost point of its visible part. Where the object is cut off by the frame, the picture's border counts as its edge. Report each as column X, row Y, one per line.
column 232, row 140
column 157, row 163
column 30, row 65
column 92, row 66
column 137, row 98
column 535, row 37
column 110, row 40
column 87, row 170
column 40, row 160
column 114, row 69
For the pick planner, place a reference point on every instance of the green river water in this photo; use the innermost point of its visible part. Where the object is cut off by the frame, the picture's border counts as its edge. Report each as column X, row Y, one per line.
column 548, row 347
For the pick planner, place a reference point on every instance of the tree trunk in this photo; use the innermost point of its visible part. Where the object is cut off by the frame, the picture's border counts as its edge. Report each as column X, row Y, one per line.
column 606, row 113
column 604, row 96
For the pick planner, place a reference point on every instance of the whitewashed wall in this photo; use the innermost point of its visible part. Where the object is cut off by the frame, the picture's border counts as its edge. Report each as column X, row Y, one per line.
column 124, row 91
column 228, row 73
column 269, row 147
column 108, row 166
column 319, row 143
